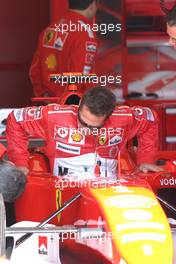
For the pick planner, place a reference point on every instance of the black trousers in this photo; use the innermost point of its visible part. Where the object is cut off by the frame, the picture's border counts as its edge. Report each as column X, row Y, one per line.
column 10, row 214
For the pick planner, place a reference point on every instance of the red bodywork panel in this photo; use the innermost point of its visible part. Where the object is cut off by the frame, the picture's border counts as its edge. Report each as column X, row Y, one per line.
column 35, row 206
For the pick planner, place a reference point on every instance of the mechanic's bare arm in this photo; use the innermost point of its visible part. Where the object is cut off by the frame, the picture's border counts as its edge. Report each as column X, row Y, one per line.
column 146, row 167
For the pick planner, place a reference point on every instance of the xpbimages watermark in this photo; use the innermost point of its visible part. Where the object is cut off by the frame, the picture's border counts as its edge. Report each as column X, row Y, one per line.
column 94, row 131
column 71, row 78
column 100, row 238
column 102, row 183
column 82, row 27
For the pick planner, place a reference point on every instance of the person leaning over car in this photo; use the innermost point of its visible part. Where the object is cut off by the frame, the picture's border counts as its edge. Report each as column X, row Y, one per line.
column 80, row 137
column 62, row 49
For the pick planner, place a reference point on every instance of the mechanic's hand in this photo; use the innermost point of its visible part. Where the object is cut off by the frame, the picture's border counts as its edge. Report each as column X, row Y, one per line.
column 25, row 170
column 146, row 167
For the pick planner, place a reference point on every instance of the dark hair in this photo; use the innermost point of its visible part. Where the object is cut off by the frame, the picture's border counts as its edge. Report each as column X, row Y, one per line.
column 170, row 13
column 12, row 181
column 100, row 101
column 79, row 4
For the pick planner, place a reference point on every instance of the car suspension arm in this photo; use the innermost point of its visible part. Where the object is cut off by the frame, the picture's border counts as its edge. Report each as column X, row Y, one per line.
column 65, row 205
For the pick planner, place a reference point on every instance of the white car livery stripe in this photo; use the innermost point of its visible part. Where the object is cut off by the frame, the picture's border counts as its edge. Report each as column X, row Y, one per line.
column 121, row 114
column 61, row 112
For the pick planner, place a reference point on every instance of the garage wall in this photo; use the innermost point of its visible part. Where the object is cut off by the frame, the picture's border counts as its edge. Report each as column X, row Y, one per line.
column 20, row 24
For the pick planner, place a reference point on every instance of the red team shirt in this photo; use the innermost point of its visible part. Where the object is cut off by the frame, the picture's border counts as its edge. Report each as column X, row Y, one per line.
column 63, row 52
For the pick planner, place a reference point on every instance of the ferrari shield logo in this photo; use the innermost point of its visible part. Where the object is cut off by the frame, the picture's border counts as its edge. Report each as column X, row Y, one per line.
column 48, row 37
column 102, row 140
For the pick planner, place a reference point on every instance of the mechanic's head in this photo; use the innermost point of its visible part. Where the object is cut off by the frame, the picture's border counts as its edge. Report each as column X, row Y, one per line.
column 171, row 26
column 12, row 181
column 87, row 8
column 171, row 22
column 96, row 105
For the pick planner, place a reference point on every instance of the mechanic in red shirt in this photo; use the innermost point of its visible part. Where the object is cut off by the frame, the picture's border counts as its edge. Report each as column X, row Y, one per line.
column 171, row 22
column 67, row 45
column 80, row 137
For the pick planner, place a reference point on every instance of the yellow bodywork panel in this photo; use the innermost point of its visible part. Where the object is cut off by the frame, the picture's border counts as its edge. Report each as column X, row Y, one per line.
column 141, row 233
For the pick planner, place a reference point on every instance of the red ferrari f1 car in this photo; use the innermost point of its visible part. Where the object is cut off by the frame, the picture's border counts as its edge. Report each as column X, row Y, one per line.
column 101, row 220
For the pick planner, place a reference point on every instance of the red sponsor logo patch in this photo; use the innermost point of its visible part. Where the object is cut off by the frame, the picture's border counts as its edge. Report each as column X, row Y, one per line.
column 43, row 245
column 90, row 58
column 91, row 46
column 60, row 40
